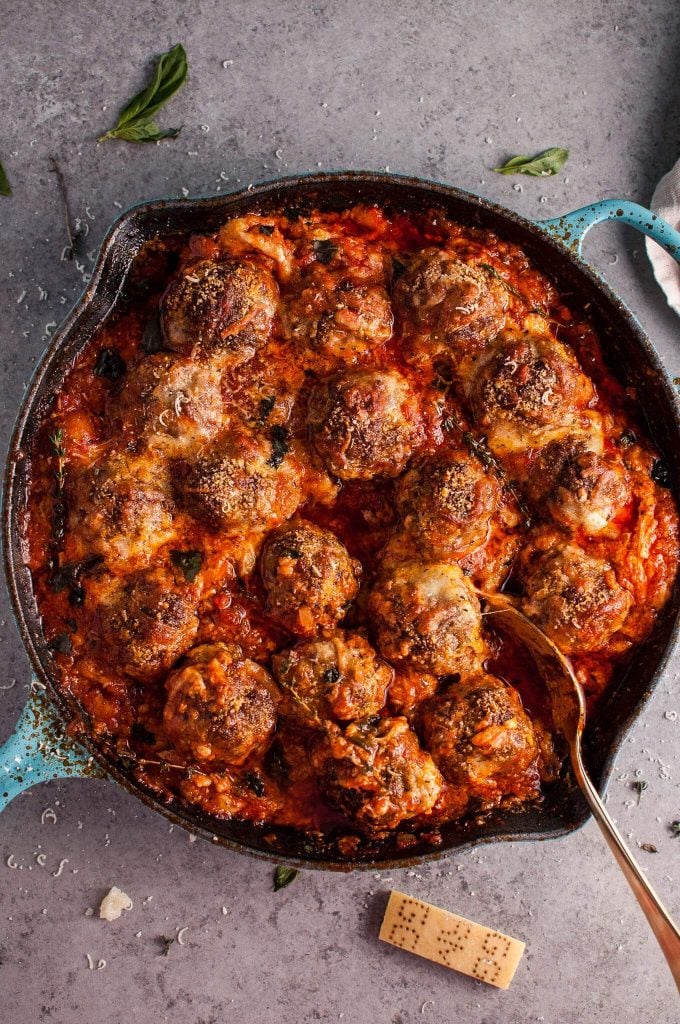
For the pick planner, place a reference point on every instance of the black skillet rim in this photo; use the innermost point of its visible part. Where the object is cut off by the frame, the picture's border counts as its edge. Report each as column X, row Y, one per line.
column 110, row 269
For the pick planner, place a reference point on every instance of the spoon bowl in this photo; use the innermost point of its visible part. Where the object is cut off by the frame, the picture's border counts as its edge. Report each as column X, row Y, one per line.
column 568, row 708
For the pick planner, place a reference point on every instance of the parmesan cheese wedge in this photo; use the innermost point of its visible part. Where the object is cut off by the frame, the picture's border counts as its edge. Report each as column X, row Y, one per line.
column 448, row 939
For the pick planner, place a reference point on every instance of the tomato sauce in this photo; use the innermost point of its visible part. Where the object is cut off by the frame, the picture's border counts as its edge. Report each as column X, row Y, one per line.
column 125, row 715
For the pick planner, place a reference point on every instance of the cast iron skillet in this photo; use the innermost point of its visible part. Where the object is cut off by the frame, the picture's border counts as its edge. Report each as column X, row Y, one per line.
column 39, row 749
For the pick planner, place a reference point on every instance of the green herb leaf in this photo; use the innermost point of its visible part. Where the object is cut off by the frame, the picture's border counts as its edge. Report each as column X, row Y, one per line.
column 188, row 562
column 110, row 365
column 5, row 187
column 254, row 782
column 545, row 164
column 324, row 250
column 61, row 643
column 144, row 131
column 660, row 473
column 284, row 876
column 135, row 121
column 675, row 828
column 266, row 406
column 280, row 446
column 152, row 339
column 640, row 786
column 398, row 268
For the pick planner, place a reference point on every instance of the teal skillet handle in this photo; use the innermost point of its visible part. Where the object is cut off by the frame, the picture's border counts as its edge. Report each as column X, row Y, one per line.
column 572, row 228
column 38, row 750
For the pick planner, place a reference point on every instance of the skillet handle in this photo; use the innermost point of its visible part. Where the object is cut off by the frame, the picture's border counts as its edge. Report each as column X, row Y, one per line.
column 38, row 750
column 572, row 228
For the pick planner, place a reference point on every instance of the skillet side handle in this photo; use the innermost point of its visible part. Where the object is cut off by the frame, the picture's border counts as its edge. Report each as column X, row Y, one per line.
column 38, row 751
column 572, row 228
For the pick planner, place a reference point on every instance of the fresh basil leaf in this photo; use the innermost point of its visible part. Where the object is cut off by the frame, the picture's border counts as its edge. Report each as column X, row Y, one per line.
column 188, row 562
column 135, row 122
column 143, row 131
column 284, row 876
column 545, row 164
column 5, row 187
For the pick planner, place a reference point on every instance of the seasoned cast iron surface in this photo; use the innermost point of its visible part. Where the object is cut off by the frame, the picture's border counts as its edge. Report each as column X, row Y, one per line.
column 628, row 351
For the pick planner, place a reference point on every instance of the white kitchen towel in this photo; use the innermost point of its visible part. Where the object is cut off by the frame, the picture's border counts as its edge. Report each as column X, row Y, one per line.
column 666, row 202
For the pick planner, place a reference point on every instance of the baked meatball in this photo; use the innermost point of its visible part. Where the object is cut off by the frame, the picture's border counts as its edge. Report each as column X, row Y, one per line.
column 145, row 621
column 427, row 615
column 121, row 508
column 170, row 404
column 580, row 489
column 446, row 504
column 309, row 577
column 243, row 482
column 376, row 772
column 338, row 679
column 573, row 597
column 528, row 392
column 220, row 705
column 445, row 300
column 331, row 315
column 481, row 738
column 365, row 423
column 216, row 308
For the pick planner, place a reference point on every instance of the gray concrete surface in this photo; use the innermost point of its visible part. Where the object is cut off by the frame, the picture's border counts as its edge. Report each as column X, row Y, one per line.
column 442, row 89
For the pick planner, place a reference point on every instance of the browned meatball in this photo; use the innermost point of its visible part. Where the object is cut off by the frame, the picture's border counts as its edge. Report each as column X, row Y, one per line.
column 446, row 504
column 449, row 301
column 573, row 597
column 309, row 577
column 581, row 489
column 377, row 774
column 481, row 738
column 145, row 621
column 338, row 679
column 243, row 482
column 121, row 508
column 220, row 705
column 223, row 308
column 332, row 315
column 528, row 392
column 427, row 615
column 364, row 424
column 170, row 404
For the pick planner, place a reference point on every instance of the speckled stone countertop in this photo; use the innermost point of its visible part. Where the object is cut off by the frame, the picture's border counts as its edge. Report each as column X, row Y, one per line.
column 440, row 89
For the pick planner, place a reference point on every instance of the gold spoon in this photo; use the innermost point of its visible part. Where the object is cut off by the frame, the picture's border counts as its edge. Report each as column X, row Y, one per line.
column 569, row 717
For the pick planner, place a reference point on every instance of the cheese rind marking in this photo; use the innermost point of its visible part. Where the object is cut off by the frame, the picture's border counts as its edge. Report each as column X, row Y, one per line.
column 448, row 939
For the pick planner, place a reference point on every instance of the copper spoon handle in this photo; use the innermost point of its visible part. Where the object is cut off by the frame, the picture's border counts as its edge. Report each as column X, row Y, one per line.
column 666, row 932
